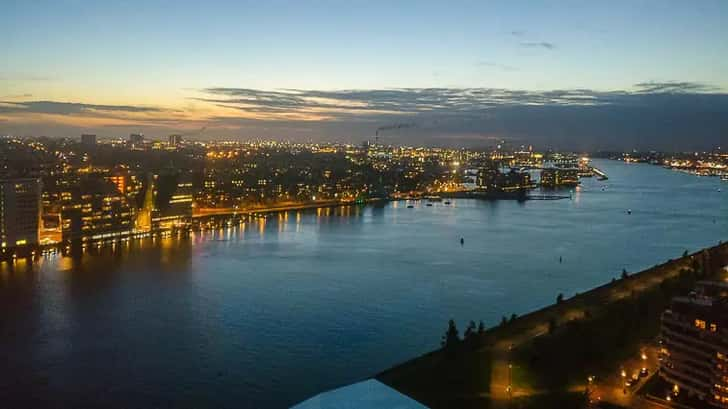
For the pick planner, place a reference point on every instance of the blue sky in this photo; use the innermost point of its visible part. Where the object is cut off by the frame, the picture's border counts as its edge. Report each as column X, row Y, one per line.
column 165, row 53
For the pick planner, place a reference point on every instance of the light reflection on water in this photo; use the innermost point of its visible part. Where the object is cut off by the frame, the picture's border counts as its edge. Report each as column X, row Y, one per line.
column 268, row 312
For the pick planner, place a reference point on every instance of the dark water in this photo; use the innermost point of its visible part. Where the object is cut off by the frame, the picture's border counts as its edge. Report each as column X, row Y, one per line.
column 267, row 314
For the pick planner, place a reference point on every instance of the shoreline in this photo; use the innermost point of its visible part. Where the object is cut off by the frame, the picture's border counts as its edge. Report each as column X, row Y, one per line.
column 420, row 376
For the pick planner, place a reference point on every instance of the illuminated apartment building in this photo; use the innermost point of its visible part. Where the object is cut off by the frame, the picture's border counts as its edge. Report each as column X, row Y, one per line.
column 694, row 338
column 552, row 177
column 492, row 179
column 20, row 204
column 172, row 199
column 95, row 210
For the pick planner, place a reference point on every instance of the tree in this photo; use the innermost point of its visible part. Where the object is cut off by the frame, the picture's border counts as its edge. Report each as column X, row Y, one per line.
column 559, row 298
column 685, row 253
column 504, row 321
column 513, row 317
column 452, row 336
column 469, row 335
column 481, row 328
column 625, row 274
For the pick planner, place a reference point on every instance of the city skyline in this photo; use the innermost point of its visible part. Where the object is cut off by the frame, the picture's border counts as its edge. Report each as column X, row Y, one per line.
column 468, row 74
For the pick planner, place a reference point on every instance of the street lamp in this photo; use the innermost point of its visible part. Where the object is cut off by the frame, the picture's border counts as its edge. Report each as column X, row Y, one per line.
column 624, row 383
column 590, row 380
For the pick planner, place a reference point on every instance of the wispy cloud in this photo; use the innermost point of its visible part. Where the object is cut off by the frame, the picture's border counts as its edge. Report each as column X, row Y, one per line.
column 673, row 87
column 400, row 101
column 68, row 108
column 538, row 44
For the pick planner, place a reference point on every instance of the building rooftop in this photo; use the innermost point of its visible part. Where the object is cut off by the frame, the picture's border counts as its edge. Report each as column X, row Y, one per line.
column 369, row 394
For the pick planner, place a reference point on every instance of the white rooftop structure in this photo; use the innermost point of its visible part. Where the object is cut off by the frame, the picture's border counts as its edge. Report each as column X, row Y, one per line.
column 369, row 394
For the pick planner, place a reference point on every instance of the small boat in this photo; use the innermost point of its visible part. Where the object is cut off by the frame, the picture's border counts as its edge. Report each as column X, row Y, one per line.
column 429, row 205
column 447, row 202
column 724, row 178
column 410, row 207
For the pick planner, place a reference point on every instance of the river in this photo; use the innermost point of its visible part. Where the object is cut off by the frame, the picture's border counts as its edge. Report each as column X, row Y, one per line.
column 268, row 313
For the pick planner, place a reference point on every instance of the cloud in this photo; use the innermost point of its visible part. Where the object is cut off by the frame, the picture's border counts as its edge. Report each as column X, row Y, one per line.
column 68, row 108
column 538, row 44
column 673, row 87
column 19, row 96
column 399, row 101
column 671, row 115
column 649, row 115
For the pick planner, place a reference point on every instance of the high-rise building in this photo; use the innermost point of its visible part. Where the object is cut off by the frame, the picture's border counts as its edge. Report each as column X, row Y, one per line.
column 172, row 199
column 694, row 343
column 20, row 209
column 175, row 140
column 88, row 139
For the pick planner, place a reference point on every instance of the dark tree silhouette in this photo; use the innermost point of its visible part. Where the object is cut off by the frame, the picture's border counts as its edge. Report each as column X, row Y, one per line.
column 559, row 298
column 470, row 334
column 452, row 336
column 481, row 328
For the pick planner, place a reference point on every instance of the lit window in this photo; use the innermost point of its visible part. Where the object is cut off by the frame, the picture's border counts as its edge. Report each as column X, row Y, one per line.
column 700, row 324
column 713, row 328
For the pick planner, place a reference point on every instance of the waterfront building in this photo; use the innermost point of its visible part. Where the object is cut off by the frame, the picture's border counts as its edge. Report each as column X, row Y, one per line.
column 88, row 139
column 20, row 212
column 694, row 343
column 95, row 210
column 553, row 177
column 491, row 179
column 172, row 199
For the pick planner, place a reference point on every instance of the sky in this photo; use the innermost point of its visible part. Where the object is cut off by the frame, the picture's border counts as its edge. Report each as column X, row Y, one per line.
column 581, row 74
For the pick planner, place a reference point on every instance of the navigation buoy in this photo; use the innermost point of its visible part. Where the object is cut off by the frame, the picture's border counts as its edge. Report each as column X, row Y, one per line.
column 629, row 211
column 462, row 241
column 560, row 259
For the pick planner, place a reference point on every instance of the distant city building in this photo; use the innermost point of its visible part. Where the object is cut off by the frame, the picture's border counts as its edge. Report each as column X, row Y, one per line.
column 20, row 210
column 136, row 139
column 694, row 338
column 175, row 140
column 88, row 139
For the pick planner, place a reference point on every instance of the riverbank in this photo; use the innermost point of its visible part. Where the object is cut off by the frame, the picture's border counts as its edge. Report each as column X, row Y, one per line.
column 252, row 211
column 527, row 356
